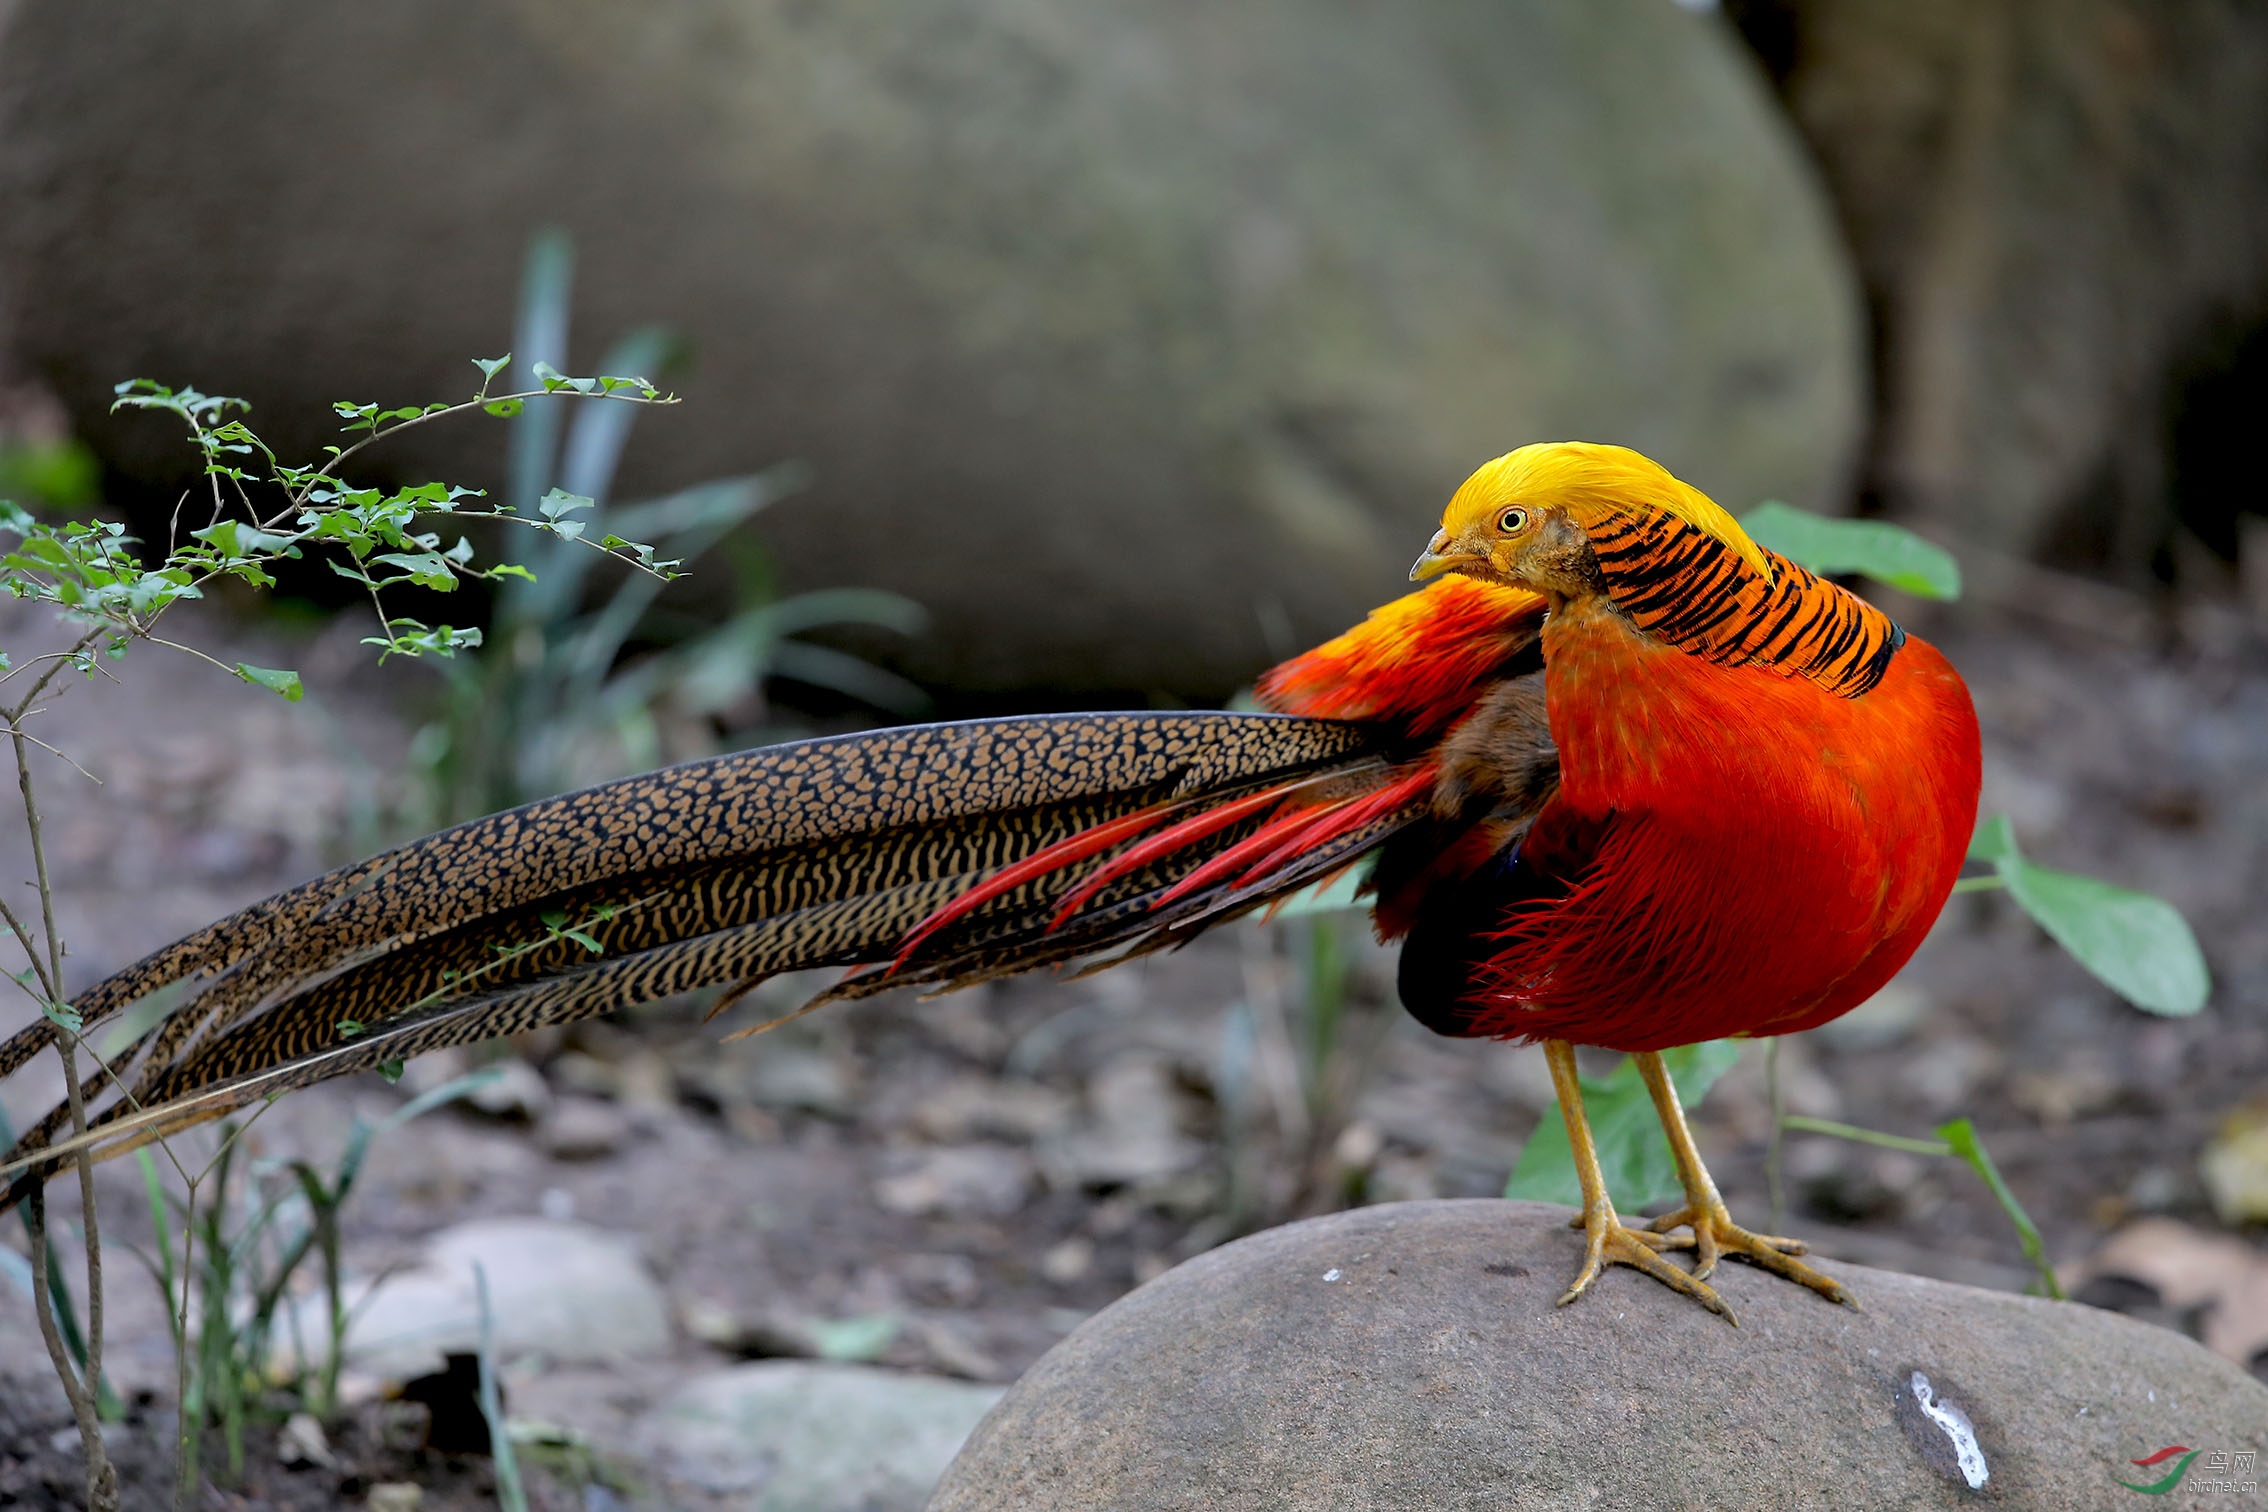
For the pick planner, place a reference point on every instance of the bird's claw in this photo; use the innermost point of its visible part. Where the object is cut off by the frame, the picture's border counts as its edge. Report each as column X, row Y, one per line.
column 1711, row 1235
column 1614, row 1243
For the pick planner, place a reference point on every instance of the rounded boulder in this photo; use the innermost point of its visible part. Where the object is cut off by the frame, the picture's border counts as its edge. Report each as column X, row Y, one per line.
column 1140, row 344
column 1411, row 1356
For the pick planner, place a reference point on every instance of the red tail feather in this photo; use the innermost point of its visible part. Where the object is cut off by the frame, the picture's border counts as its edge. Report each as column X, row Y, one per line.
column 1054, row 858
column 1165, row 843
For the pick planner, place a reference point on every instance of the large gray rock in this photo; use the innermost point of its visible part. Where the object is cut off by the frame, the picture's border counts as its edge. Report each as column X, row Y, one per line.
column 1140, row 343
column 2056, row 208
column 1409, row 1356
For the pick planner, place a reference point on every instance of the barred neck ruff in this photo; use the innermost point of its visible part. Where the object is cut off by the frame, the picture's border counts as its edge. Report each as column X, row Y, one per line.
column 1690, row 590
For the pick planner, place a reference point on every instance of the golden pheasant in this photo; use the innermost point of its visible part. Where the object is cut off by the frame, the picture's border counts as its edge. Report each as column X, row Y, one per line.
column 1627, row 780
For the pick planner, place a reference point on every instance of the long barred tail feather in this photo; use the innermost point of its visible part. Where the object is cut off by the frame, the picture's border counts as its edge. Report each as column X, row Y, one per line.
column 935, row 856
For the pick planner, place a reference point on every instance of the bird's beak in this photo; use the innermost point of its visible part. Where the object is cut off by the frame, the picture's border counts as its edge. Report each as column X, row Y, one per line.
column 1442, row 554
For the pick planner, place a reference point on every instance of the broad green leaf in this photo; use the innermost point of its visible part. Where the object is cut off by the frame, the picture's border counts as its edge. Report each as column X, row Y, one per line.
column 506, row 408
column 2137, row 945
column 64, row 1016
column 427, row 569
column 1873, row 548
column 282, row 682
column 1633, row 1151
column 1994, row 841
column 2141, row 947
column 491, row 366
column 235, row 538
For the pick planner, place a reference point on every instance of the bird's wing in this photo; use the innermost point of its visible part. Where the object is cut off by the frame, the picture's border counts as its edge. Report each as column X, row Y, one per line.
column 939, row 854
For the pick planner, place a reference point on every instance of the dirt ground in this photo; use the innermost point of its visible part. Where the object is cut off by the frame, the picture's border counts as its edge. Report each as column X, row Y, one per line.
column 991, row 1168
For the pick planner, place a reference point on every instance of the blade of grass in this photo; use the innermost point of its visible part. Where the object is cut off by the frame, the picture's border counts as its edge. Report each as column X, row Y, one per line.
column 1961, row 1135
column 509, row 1491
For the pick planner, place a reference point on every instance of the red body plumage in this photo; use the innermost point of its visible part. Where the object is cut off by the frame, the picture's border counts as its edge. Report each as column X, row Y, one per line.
column 1743, row 850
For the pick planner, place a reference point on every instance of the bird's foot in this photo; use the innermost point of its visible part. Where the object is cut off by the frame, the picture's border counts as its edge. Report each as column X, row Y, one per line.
column 1711, row 1234
column 1614, row 1243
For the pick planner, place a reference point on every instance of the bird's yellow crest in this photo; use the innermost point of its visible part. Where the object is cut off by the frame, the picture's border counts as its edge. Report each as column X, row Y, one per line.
column 1592, row 482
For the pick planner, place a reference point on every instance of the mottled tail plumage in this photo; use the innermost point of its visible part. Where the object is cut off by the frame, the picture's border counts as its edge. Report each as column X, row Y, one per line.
column 845, row 852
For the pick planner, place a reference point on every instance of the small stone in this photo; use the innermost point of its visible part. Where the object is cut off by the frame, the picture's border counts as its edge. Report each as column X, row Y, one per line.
column 1069, row 1261
column 1942, row 1072
column 813, row 1435
column 2235, row 1166
column 941, row 1280
column 583, row 1128
column 1358, row 1146
column 395, row 1496
column 981, row 1108
column 1134, row 1133
column 566, row 1292
column 790, row 1078
column 302, row 1443
column 2056, row 1098
column 514, row 1091
column 644, row 1081
column 953, row 1354
column 959, row 1181
column 1888, row 1018
column 714, row 1323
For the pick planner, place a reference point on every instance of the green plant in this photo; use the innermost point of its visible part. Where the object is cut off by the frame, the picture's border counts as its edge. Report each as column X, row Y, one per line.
column 1300, row 1045
column 510, row 1491
column 113, row 592
column 48, row 1273
column 1957, row 1139
column 565, row 694
column 248, row 1227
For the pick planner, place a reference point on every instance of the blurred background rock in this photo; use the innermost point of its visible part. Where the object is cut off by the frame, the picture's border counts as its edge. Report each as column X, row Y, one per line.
column 1138, row 344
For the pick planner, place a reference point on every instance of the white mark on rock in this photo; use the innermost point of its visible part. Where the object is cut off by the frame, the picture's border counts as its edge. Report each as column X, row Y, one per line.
column 1957, row 1427
column 1332, row 1274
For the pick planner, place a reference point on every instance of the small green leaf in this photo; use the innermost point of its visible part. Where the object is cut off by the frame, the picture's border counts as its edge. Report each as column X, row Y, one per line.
column 1633, row 1151
column 491, row 366
column 349, row 1028
column 391, row 1070
column 63, row 1016
column 560, row 502
column 284, row 683
column 1873, row 548
column 507, row 408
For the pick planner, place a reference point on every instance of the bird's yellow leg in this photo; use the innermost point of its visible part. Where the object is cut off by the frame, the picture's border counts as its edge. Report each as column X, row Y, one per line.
column 1714, row 1234
column 1605, row 1239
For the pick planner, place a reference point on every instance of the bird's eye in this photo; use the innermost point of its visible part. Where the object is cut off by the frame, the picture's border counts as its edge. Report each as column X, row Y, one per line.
column 1512, row 521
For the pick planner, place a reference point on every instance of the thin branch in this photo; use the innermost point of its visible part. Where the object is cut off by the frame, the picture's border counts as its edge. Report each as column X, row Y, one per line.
column 31, row 952
column 329, row 469
column 159, row 640
column 59, row 755
column 11, row 715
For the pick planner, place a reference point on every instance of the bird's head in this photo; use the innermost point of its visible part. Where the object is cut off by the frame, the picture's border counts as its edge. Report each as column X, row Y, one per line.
column 1532, row 518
